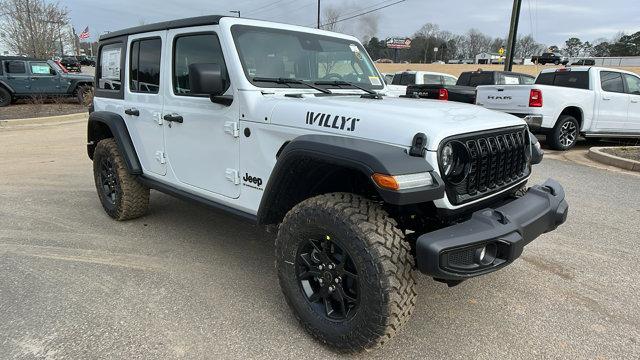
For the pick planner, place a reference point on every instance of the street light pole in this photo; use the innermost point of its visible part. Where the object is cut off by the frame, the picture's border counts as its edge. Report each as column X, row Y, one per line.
column 513, row 34
column 318, row 14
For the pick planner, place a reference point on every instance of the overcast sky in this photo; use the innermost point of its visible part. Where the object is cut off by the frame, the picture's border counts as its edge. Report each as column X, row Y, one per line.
column 550, row 21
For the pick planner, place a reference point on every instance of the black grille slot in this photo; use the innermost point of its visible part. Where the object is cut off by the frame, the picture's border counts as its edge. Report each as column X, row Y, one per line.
column 496, row 160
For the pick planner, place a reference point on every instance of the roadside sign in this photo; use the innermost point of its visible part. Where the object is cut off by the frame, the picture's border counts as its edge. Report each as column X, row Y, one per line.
column 435, row 49
column 399, row 43
column 501, row 51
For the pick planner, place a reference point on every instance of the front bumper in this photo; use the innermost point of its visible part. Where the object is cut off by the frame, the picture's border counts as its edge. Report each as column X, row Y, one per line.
column 491, row 238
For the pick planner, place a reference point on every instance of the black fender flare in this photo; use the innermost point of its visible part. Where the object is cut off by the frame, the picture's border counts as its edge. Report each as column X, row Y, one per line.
column 6, row 86
column 365, row 156
column 101, row 120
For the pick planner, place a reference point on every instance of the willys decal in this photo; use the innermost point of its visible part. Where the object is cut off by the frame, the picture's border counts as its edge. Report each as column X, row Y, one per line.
column 331, row 121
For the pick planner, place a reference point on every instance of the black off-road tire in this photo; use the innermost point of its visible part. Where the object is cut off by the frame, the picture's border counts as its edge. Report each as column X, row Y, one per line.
column 381, row 257
column 82, row 94
column 558, row 138
column 130, row 199
column 5, row 97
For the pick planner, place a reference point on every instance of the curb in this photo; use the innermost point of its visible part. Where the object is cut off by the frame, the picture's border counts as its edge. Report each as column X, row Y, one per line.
column 44, row 120
column 596, row 153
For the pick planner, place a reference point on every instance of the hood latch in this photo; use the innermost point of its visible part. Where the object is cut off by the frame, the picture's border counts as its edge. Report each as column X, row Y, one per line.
column 418, row 145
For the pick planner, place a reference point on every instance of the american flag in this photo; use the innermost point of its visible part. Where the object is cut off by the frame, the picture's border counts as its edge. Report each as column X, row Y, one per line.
column 84, row 34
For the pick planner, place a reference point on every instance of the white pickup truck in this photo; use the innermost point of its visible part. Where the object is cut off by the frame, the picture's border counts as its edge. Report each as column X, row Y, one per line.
column 567, row 102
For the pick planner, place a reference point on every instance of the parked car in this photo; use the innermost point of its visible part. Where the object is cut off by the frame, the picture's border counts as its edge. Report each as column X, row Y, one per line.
column 28, row 77
column 402, row 79
column 584, row 62
column 71, row 64
column 565, row 103
column 550, row 58
column 285, row 126
column 86, row 60
column 464, row 89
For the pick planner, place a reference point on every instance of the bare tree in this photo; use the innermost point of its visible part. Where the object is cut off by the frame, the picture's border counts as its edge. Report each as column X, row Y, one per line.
column 32, row 27
column 526, row 46
column 330, row 16
column 476, row 43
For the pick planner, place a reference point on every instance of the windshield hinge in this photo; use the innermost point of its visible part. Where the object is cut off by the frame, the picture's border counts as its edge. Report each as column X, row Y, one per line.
column 371, row 96
column 232, row 128
column 418, row 145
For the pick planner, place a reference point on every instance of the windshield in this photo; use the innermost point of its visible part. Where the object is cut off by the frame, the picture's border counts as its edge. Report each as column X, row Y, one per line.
column 274, row 53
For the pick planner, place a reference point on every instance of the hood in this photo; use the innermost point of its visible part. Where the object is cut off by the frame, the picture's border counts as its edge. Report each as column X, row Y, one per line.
column 390, row 120
column 83, row 77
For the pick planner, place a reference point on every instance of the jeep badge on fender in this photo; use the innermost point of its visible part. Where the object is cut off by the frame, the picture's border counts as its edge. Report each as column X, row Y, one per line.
column 360, row 211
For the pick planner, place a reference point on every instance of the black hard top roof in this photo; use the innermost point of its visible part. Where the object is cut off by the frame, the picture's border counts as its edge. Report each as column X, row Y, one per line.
column 165, row 25
column 497, row 72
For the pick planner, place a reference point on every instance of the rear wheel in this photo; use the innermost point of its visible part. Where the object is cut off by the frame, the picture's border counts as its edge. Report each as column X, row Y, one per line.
column 564, row 134
column 83, row 94
column 121, row 195
column 5, row 97
column 345, row 270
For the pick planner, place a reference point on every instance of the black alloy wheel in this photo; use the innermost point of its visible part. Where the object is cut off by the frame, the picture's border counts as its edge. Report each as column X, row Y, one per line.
column 328, row 277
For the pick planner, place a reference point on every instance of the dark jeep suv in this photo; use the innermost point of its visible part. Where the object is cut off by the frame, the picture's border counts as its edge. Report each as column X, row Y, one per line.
column 27, row 77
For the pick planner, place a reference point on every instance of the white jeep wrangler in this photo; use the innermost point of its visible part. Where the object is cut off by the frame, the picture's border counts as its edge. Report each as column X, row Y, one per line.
column 289, row 127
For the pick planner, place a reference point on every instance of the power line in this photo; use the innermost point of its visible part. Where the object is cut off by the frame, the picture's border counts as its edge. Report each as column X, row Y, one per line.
column 264, row 8
column 363, row 13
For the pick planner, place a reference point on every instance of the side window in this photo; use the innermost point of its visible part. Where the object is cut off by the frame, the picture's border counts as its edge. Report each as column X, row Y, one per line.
column 193, row 49
column 527, row 80
column 633, row 84
column 504, row 79
column 448, row 80
column 41, row 68
column 611, row 81
column 108, row 69
column 432, row 79
column 16, row 67
column 144, row 68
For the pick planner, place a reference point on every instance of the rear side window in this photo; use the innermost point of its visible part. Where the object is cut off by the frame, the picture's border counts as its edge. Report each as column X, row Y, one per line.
column 527, row 80
column 448, row 80
column 144, row 70
column 194, row 49
column 108, row 69
column 481, row 79
column 633, row 84
column 404, row 79
column 571, row 79
column 16, row 67
column 432, row 79
column 41, row 68
column 504, row 79
column 611, row 81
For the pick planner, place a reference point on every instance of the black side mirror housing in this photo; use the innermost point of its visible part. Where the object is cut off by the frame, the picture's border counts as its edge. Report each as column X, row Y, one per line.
column 207, row 79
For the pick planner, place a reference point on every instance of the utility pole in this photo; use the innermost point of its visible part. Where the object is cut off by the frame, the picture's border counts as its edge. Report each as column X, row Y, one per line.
column 513, row 34
column 318, row 14
column 235, row 12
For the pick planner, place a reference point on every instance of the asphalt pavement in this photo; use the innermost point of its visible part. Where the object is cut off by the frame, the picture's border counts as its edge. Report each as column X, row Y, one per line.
column 188, row 282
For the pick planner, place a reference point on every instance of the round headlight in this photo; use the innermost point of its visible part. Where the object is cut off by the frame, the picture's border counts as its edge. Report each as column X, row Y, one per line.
column 454, row 158
column 446, row 158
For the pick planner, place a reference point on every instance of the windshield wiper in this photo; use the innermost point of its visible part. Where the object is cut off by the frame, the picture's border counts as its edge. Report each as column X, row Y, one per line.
column 342, row 82
column 291, row 81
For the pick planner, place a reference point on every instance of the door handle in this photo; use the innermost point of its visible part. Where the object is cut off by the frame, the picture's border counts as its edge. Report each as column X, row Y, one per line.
column 606, row 98
column 132, row 112
column 173, row 118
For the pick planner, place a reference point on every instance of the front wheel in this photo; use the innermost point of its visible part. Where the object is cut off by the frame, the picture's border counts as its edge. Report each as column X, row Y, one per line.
column 564, row 134
column 120, row 194
column 5, row 97
column 345, row 270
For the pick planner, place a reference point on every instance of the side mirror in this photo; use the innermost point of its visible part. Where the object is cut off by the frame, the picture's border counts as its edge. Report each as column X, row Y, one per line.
column 207, row 79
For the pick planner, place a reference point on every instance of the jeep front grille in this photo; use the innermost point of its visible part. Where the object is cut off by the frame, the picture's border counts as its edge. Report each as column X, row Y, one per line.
column 496, row 160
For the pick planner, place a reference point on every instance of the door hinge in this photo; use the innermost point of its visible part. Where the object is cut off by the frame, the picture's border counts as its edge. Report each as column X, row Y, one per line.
column 232, row 128
column 161, row 157
column 157, row 117
column 233, row 176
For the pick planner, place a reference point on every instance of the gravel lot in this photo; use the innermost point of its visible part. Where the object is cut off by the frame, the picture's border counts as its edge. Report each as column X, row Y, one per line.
column 188, row 282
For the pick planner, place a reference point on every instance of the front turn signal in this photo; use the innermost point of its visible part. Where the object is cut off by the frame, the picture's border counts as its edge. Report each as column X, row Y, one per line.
column 402, row 182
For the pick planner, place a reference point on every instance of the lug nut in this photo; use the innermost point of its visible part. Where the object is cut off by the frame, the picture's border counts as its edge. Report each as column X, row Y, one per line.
column 331, row 288
column 338, row 280
column 331, row 266
column 320, row 281
column 320, row 267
